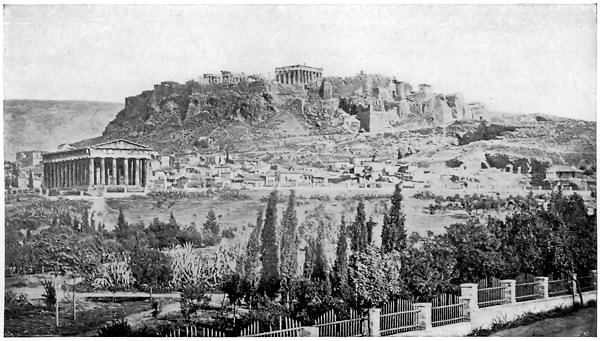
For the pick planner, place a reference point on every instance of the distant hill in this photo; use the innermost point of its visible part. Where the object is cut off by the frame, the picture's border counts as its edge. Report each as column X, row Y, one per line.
column 43, row 125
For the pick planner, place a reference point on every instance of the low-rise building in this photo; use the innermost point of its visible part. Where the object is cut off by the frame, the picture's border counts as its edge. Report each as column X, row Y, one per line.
column 563, row 172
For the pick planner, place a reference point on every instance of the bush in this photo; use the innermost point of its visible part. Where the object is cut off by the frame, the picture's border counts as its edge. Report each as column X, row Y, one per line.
column 49, row 293
column 152, row 268
column 115, row 328
column 229, row 232
column 193, row 298
column 11, row 298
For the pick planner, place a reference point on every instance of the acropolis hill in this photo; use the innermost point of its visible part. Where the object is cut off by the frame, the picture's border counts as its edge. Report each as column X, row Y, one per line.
column 298, row 101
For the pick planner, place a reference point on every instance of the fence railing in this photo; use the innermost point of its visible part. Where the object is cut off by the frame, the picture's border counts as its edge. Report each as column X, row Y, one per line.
column 399, row 316
column 558, row 287
column 287, row 328
column 329, row 325
column 587, row 283
column 491, row 292
column 448, row 309
column 527, row 288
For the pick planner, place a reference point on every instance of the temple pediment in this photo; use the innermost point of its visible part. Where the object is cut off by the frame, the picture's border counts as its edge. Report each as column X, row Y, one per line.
column 120, row 144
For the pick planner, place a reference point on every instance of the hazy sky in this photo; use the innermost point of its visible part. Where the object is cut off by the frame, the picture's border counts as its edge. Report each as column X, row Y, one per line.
column 535, row 58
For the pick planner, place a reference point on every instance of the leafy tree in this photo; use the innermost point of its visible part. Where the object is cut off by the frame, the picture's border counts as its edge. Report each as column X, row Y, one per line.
column 573, row 240
column 477, row 249
column 233, row 287
column 340, row 267
column 212, row 230
column 162, row 235
column 253, row 249
column 393, row 233
column 270, row 276
column 368, row 278
column 429, row 267
column 121, row 222
column 359, row 233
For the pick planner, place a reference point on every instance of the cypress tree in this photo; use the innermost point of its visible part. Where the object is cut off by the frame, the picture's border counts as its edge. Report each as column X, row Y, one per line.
column 85, row 223
column 309, row 259
column 359, row 234
column 289, row 241
column 30, row 180
column 370, row 225
column 211, row 228
column 270, row 277
column 253, row 249
column 340, row 267
column 393, row 233
column 121, row 222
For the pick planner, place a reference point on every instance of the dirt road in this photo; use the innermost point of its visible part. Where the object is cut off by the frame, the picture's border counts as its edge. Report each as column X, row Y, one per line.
column 582, row 323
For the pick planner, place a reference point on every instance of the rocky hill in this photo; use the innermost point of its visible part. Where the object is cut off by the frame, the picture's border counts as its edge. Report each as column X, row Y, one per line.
column 42, row 125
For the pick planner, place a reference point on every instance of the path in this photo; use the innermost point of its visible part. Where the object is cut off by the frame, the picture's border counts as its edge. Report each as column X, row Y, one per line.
column 581, row 323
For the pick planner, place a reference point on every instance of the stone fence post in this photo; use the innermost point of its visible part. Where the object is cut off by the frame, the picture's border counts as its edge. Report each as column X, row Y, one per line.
column 574, row 285
column 511, row 290
column 309, row 332
column 374, row 322
column 468, row 291
column 542, row 287
column 424, row 316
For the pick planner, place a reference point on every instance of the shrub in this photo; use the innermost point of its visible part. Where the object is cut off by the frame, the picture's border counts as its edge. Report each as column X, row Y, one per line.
column 229, row 232
column 193, row 298
column 152, row 268
column 49, row 293
column 12, row 298
column 115, row 328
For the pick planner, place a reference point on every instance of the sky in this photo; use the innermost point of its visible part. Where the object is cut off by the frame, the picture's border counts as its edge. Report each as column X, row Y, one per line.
column 513, row 58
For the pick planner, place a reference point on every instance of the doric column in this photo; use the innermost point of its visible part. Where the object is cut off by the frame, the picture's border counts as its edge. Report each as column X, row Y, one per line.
column 52, row 175
column 114, row 171
column 146, row 171
column 126, row 171
column 91, row 172
column 102, row 171
column 137, row 167
column 59, row 173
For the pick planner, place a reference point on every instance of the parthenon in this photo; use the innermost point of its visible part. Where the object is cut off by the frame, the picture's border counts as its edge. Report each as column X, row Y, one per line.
column 297, row 74
column 115, row 166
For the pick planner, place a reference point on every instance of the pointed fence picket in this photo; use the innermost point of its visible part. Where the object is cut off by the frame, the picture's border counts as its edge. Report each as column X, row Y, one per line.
column 329, row 325
column 398, row 316
column 527, row 288
column 193, row 331
column 287, row 328
column 491, row 292
column 448, row 309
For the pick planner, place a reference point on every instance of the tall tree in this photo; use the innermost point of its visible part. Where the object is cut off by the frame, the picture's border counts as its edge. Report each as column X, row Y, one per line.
column 212, row 230
column 289, row 242
column 121, row 222
column 340, row 267
column 393, row 233
column 309, row 259
column 254, row 246
column 85, row 222
column 30, row 180
column 270, row 277
column 359, row 233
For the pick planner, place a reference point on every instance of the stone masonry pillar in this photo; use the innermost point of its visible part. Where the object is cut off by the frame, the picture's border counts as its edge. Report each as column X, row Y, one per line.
column 574, row 285
column 424, row 315
column 91, row 172
column 374, row 322
column 511, row 289
column 468, row 291
column 102, row 171
column 594, row 274
column 309, row 332
column 542, row 287
column 125, row 171
column 115, row 177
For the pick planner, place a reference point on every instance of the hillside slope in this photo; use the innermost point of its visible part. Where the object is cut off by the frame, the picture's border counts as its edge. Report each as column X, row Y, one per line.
column 35, row 124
